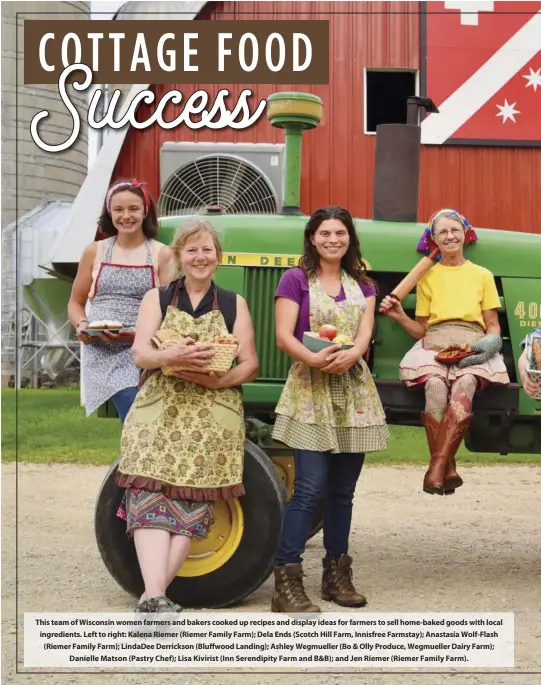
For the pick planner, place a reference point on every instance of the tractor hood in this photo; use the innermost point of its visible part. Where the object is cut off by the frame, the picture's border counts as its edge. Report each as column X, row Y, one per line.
column 255, row 240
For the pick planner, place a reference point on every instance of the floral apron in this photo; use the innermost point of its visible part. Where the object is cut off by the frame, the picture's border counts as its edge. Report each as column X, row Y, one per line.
column 183, row 438
column 330, row 412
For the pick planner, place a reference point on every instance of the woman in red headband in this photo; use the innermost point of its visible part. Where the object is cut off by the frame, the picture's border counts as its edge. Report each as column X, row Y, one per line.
column 113, row 276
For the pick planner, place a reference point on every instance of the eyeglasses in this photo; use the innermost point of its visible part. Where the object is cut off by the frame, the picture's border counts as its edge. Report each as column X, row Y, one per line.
column 453, row 231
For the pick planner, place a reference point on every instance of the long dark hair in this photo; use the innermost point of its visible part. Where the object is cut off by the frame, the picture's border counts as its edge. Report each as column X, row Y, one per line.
column 352, row 262
column 150, row 222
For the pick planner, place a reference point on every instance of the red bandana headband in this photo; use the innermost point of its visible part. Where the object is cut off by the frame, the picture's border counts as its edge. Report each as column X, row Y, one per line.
column 126, row 185
column 427, row 245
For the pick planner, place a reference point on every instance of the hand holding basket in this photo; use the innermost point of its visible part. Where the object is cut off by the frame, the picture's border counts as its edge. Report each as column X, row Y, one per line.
column 225, row 351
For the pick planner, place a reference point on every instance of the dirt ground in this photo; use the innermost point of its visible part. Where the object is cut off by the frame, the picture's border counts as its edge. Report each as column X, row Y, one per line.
column 478, row 550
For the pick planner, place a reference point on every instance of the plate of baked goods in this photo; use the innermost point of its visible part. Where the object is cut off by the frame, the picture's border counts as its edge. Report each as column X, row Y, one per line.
column 454, row 353
column 327, row 336
column 533, row 358
column 103, row 326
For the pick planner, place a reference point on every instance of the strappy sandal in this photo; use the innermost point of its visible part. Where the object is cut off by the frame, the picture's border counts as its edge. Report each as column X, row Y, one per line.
column 143, row 607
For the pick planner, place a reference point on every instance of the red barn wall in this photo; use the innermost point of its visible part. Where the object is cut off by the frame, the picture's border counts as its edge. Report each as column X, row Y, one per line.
column 493, row 187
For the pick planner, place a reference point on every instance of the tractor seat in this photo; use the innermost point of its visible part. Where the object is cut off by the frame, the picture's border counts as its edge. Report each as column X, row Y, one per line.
column 397, row 399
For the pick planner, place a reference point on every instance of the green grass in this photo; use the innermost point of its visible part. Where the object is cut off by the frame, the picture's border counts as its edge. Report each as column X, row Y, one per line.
column 52, row 428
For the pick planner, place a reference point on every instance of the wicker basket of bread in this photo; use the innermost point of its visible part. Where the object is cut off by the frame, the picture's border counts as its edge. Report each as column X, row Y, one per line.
column 533, row 356
column 225, row 348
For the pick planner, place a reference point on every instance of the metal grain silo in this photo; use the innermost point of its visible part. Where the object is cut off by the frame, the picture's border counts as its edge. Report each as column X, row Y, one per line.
column 31, row 176
column 41, row 175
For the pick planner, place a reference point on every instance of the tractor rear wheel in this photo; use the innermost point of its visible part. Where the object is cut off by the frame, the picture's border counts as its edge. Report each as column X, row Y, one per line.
column 226, row 567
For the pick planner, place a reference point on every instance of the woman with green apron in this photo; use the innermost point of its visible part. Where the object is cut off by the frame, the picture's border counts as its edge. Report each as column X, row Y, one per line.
column 182, row 444
column 329, row 411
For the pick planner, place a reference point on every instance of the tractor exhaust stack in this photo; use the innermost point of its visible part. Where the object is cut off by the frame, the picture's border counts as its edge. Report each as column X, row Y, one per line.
column 296, row 113
column 398, row 155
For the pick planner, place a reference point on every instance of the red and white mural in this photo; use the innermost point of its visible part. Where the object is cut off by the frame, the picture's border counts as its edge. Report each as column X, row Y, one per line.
column 481, row 65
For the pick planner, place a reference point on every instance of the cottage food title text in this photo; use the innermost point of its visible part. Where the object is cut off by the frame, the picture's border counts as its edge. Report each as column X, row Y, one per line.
column 79, row 54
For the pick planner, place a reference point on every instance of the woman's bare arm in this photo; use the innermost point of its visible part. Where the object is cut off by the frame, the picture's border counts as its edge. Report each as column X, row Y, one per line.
column 392, row 308
column 165, row 260
column 81, row 286
column 417, row 328
column 529, row 386
column 490, row 317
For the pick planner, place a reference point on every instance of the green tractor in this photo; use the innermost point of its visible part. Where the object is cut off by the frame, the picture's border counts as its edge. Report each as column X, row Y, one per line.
column 237, row 557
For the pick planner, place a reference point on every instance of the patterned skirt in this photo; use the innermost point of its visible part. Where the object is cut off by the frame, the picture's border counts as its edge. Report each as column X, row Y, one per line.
column 143, row 509
column 337, row 440
column 420, row 362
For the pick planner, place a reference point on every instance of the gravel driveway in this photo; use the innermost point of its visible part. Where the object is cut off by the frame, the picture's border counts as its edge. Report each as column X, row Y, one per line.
column 479, row 550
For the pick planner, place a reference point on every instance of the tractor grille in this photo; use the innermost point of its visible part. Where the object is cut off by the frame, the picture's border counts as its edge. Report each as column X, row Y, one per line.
column 260, row 286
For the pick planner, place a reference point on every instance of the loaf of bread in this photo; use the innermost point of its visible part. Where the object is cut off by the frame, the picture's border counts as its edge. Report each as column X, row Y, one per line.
column 166, row 335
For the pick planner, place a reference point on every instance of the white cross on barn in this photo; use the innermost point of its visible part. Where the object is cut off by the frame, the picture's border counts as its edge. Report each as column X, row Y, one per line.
column 469, row 11
column 476, row 91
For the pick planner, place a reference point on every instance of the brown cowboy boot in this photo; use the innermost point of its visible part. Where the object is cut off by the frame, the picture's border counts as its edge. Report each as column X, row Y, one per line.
column 449, row 437
column 452, row 479
column 337, row 584
column 289, row 595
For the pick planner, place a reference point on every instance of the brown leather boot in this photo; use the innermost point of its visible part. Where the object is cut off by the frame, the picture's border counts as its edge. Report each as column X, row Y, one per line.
column 450, row 434
column 452, row 443
column 337, row 584
column 452, row 479
column 289, row 595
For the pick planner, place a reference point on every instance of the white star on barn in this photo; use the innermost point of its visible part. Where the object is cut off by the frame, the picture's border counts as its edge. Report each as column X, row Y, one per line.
column 507, row 111
column 533, row 78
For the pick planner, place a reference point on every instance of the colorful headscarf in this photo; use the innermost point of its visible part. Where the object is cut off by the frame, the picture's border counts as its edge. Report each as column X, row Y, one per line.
column 125, row 185
column 427, row 245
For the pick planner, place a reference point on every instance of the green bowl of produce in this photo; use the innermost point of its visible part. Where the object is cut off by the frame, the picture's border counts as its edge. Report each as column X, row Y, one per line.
column 316, row 342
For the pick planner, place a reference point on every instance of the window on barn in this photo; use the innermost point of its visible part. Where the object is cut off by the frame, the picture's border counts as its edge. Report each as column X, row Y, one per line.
column 385, row 94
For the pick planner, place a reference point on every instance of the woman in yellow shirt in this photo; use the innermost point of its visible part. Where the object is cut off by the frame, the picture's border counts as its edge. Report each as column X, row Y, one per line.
column 457, row 303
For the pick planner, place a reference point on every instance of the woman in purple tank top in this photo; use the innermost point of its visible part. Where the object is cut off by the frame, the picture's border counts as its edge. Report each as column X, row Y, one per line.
column 329, row 412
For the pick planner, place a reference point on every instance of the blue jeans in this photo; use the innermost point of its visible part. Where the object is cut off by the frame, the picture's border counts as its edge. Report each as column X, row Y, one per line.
column 314, row 471
column 123, row 400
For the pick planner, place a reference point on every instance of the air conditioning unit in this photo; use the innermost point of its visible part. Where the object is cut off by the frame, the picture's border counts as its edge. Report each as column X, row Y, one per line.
column 240, row 178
